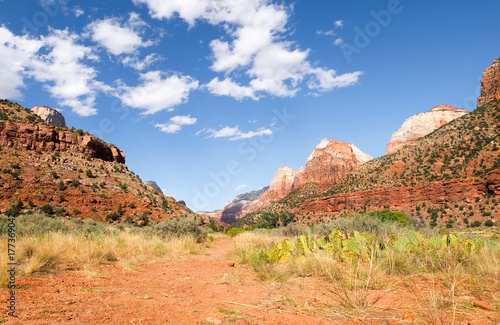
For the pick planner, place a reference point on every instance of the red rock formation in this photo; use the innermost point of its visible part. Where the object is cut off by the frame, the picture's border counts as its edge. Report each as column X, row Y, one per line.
column 490, row 84
column 281, row 185
column 434, row 193
column 299, row 178
column 49, row 138
column 329, row 162
column 419, row 125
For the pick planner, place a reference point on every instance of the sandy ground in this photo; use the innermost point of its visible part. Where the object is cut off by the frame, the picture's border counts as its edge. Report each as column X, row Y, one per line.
column 206, row 289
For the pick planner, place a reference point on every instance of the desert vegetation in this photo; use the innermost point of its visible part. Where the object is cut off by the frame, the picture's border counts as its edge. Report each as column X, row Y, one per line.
column 364, row 257
column 45, row 243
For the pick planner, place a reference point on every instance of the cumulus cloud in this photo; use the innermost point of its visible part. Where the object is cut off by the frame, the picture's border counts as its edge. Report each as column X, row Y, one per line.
column 339, row 23
column 254, row 44
column 64, row 73
column 158, row 92
column 240, row 187
column 176, row 123
column 117, row 37
column 228, row 87
column 16, row 53
column 58, row 61
column 134, row 62
column 328, row 79
column 234, row 133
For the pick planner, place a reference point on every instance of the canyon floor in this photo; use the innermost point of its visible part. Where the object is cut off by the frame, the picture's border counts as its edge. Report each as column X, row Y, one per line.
column 205, row 288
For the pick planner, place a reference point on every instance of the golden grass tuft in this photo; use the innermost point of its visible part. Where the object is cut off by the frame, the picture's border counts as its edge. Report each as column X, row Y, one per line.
column 43, row 253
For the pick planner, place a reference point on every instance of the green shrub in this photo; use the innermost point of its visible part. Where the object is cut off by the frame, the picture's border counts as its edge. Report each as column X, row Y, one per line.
column 62, row 187
column 47, row 209
column 476, row 223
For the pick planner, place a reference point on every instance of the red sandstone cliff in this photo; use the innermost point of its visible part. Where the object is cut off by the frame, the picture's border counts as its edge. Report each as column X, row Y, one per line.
column 329, row 162
column 49, row 138
column 490, row 84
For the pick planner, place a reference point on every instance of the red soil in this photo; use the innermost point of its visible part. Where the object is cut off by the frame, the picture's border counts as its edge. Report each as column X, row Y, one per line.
column 206, row 289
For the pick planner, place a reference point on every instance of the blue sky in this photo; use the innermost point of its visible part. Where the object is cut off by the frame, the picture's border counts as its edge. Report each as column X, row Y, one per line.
column 209, row 97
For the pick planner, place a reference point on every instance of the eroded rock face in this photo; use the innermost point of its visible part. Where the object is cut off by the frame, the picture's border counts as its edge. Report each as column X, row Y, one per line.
column 360, row 155
column 50, row 115
column 281, row 185
column 490, row 84
column 330, row 161
column 154, row 186
column 47, row 138
column 299, row 178
column 434, row 193
column 241, row 205
column 419, row 125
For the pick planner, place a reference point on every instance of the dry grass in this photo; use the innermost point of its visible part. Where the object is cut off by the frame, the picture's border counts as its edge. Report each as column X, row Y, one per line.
column 350, row 283
column 43, row 253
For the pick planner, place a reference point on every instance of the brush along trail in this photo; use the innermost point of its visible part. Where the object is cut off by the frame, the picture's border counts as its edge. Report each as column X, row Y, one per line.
column 207, row 288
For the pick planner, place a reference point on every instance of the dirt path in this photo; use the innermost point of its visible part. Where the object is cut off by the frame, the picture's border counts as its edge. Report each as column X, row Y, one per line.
column 196, row 289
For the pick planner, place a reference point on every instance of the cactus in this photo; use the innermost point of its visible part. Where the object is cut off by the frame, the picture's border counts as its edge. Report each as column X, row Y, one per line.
column 413, row 237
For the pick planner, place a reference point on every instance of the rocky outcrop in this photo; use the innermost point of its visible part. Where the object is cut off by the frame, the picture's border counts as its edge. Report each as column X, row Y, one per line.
column 50, row 115
column 241, row 205
column 360, row 155
column 48, row 138
column 419, row 125
column 330, row 161
column 281, row 185
column 154, row 186
column 299, row 178
column 398, row 198
column 490, row 84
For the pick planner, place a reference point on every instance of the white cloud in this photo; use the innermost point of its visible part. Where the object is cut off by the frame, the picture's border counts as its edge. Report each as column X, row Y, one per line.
column 118, row 38
column 240, row 187
column 78, row 11
column 339, row 23
column 16, row 53
column 326, row 33
column 254, row 44
column 158, row 92
column 176, row 123
column 65, row 77
column 327, row 80
column 234, row 133
column 338, row 42
column 228, row 87
column 134, row 62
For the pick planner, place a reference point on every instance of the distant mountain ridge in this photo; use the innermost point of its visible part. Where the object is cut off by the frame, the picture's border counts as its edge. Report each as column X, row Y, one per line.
column 450, row 176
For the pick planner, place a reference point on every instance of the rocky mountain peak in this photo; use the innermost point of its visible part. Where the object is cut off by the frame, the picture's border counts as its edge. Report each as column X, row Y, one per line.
column 421, row 124
column 50, row 115
column 154, row 186
column 360, row 155
column 490, row 84
column 329, row 162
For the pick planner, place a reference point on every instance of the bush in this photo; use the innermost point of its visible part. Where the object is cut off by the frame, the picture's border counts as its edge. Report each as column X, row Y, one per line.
column 476, row 223
column 488, row 223
column 393, row 216
column 47, row 209
column 113, row 216
column 62, row 187
column 14, row 210
column 173, row 228
column 235, row 231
